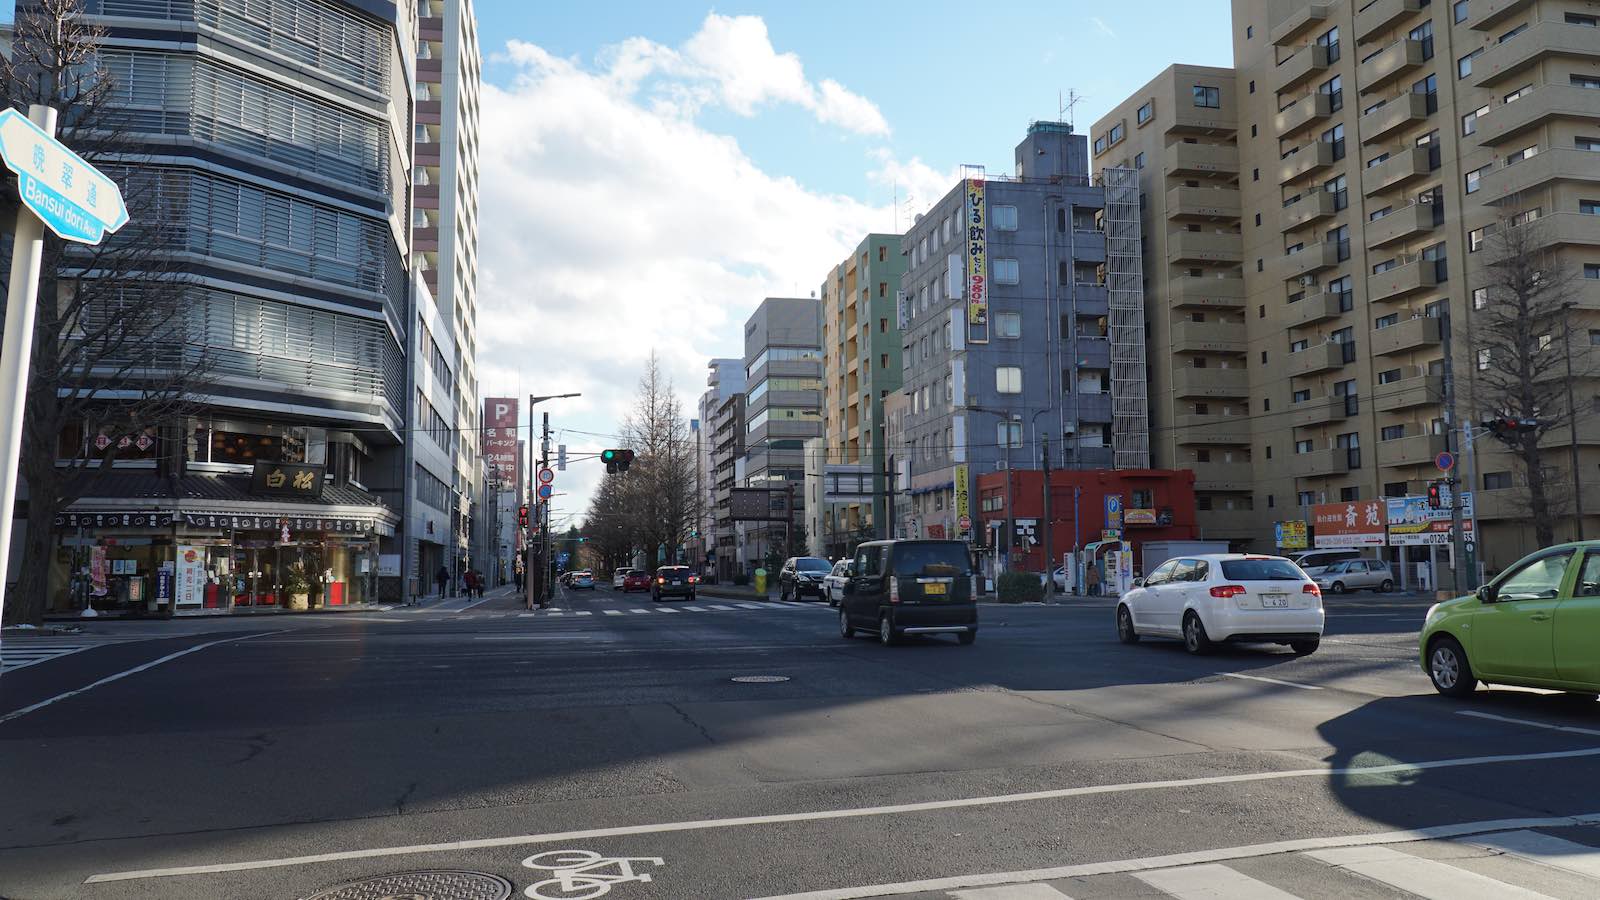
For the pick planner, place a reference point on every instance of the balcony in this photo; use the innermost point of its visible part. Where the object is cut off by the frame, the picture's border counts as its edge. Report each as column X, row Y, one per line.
column 1223, row 476
column 1542, row 39
column 1569, row 229
column 1313, row 360
column 1307, row 158
column 1408, row 393
column 1397, row 170
column 1408, row 222
column 1201, row 159
column 1372, row 21
column 1212, row 431
column 1218, row 524
column 1402, row 337
column 1210, row 382
column 1091, row 407
column 1318, row 463
column 1207, row 292
column 1401, row 281
column 1508, row 120
column 1486, row 14
column 1092, row 352
column 1208, row 337
column 1299, row 22
column 1090, row 299
column 1311, row 258
column 1210, row 203
column 1309, row 61
column 1305, row 111
column 1314, row 307
column 1411, row 451
column 1392, row 116
column 1204, row 246
column 1318, row 204
column 1561, row 164
column 1390, row 63
column 1322, row 411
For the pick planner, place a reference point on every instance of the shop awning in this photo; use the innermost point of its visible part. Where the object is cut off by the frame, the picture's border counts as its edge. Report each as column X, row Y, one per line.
column 123, row 499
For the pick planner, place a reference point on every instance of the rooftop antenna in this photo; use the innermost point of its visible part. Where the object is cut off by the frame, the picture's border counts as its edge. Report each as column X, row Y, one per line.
column 1066, row 110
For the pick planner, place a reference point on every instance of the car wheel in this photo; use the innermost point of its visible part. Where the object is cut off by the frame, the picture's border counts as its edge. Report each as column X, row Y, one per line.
column 1386, row 587
column 832, row 600
column 1194, row 635
column 1448, row 668
column 886, row 635
column 967, row 637
column 1337, row 587
column 1125, row 631
column 846, row 630
column 1304, row 648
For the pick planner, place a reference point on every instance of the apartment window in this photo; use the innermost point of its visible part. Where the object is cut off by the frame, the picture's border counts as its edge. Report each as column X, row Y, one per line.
column 1512, row 33
column 1483, row 360
column 1099, row 145
column 1252, row 130
column 1480, row 298
column 1518, row 94
column 1003, row 218
column 1496, row 481
column 1334, row 88
column 1341, row 287
column 1386, row 321
column 1589, row 207
column 1335, row 136
column 1138, row 160
column 1249, row 32
column 1526, row 216
column 1008, row 325
column 1144, row 112
column 1377, row 214
column 1263, row 357
column 1340, row 238
column 1268, row 448
column 1117, row 134
column 1300, row 396
column 1464, row 64
column 1469, row 122
column 1591, row 270
column 1008, row 379
column 1423, row 34
column 1009, row 434
column 1520, row 155
column 1255, row 174
column 1299, row 448
column 1337, row 187
column 1261, row 311
column 1347, row 494
column 1474, row 178
column 1252, row 85
column 1005, row 271
column 1458, row 11
column 1584, row 143
column 1389, row 376
column 1305, row 498
column 1330, row 39
column 1202, row 456
column 1207, row 97
column 1428, row 88
column 1586, row 81
column 1586, row 21
column 1297, row 346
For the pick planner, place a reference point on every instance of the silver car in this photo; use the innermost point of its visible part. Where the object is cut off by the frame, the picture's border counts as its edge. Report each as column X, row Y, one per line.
column 833, row 583
column 1354, row 575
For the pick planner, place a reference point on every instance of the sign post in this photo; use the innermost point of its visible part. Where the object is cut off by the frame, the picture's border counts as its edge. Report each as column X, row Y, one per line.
column 77, row 202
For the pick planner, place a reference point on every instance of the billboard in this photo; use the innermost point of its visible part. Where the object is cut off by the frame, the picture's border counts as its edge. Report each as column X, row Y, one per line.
column 1354, row 523
column 1412, row 523
column 977, row 264
column 500, row 437
column 963, row 500
column 758, row 504
column 1291, row 535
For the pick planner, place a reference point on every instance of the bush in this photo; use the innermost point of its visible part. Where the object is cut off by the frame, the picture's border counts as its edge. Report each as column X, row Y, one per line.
column 1020, row 587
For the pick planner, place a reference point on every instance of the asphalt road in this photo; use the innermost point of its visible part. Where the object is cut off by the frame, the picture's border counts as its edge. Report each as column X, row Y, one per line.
column 607, row 741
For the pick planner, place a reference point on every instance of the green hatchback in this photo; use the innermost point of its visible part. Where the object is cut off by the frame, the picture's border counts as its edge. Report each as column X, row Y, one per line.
column 1536, row 625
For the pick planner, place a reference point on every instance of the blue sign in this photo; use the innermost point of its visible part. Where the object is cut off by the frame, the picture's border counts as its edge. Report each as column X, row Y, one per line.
column 564, row 556
column 545, row 491
column 71, row 197
column 1445, row 461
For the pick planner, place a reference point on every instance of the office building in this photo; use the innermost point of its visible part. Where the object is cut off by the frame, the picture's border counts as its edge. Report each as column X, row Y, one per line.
column 724, row 380
column 727, row 454
column 783, row 409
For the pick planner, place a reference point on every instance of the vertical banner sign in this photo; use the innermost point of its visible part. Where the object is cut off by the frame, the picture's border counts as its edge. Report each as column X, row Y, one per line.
column 191, row 576
column 963, row 501
column 1114, row 514
column 500, row 437
column 977, row 264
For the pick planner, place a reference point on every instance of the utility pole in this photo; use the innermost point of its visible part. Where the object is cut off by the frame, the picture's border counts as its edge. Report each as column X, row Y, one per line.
column 1458, row 544
column 1048, row 558
column 888, row 509
column 788, row 523
column 1572, row 425
column 544, row 462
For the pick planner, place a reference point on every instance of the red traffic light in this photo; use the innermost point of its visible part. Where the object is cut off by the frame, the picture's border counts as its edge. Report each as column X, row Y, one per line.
column 522, row 516
column 1435, row 501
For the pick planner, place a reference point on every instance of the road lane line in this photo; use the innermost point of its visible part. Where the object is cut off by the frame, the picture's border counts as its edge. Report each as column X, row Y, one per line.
column 583, row 612
column 693, row 609
column 1544, row 849
column 1570, row 729
column 612, row 612
column 959, row 803
column 1427, row 878
column 1303, row 687
column 668, row 609
column 1210, row 881
column 471, row 605
column 752, row 605
column 19, row 713
column 642, row 612
column 714, row 606
column 1012, row 892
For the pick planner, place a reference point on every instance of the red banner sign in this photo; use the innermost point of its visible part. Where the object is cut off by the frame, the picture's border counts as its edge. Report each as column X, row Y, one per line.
column 500, row 437
column 1354, row 523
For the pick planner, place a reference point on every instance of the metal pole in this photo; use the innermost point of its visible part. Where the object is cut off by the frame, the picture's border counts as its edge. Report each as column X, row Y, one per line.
column 544, row 462
column 527, row 499
column 1049, row 570
column 1572, row 425
column 1011, row 522
column 1458, row 548
column 27, row 255
column 888, row 517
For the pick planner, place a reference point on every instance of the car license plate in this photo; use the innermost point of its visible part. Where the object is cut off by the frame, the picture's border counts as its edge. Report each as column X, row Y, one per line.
column 932, row 589
column 1271, row 600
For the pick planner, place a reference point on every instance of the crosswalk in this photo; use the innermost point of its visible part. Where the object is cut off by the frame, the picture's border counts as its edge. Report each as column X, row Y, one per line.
column 662, row 609
column 19, row 652
column 1523, row 864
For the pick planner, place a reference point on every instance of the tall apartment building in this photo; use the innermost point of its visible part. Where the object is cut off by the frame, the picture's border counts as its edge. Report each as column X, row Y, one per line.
column 724, row 379
column 727, row 451
column 449, row 515
column 783, row 409
column 1378, row 146
column 276, row 142
column 1056, row 357
column 861, row 366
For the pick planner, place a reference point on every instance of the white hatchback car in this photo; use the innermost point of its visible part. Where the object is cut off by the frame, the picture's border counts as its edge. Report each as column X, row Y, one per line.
column 1211, row 598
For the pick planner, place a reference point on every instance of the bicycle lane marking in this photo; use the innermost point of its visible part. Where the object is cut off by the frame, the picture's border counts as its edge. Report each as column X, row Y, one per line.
column 845, row 813
column 583, row 874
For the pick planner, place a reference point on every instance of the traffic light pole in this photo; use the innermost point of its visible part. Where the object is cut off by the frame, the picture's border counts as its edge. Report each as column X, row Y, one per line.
column 544, row 462
column 1458, row 544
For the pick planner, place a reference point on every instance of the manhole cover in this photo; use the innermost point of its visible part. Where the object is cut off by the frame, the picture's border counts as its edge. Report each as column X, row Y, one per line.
column 759, row 679
column 429, row 885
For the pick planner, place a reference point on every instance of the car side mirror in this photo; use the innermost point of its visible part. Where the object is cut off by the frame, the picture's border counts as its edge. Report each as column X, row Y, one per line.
column 1138, row 582
column 1487, row 593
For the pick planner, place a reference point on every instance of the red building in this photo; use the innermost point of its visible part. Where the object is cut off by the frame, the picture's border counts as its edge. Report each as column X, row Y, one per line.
column 1157, row 504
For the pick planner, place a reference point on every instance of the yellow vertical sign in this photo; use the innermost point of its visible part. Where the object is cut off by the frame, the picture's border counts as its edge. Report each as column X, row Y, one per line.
column 977, row 264
column 963, row 503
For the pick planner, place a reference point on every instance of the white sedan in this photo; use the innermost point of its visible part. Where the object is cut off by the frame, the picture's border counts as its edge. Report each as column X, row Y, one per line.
column 1210, row 598
column 833, row 582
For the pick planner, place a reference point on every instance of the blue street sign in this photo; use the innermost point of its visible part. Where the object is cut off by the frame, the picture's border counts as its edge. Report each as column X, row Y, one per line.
column 1445, row 461
column 71, row 197
column 545, row 491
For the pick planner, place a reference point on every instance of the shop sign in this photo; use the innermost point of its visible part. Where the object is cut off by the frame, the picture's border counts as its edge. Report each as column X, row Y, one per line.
column 500, row 437
column 287, row 480
column 265, row 523
column 1027, row 529
column 936, row 531
column 963, row 500
column 1290, row 535
column 113, row 520
column 191, row 575
column 1356, row 523
column 977, row 264
column 1114, row 517
column 1412, row 523
column 97, row 572
column 1139, row 517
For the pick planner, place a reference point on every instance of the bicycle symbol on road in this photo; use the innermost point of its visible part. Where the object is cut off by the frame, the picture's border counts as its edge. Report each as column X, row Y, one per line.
column 583, row 874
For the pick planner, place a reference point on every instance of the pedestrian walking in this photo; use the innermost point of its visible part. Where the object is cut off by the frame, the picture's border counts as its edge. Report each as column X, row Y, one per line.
column 1093, row 580
column 516, row 573
column 478, row 582
column 443, row 579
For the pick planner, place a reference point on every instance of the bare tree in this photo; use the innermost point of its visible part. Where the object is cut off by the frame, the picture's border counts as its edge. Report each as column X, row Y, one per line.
column 660, row 485
column 1521, row 344
column 607, row 525
column 115, row 371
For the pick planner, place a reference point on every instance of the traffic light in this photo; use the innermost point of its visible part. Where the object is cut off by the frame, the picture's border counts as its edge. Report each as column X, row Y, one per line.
column 1435, row 501
column 1509, row 427
column 561, row 457
column 616, row 460
column 522, row 516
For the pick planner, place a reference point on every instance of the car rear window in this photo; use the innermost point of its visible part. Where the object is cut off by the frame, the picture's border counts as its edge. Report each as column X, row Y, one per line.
column 812, row 564
column 931, row 559
column 1260, row 570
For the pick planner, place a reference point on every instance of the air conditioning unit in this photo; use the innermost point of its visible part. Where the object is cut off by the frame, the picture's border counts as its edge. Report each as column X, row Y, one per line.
column 1308, row 281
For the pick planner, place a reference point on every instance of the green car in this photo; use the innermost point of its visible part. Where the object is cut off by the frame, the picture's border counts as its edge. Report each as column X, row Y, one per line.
column 1536, row 625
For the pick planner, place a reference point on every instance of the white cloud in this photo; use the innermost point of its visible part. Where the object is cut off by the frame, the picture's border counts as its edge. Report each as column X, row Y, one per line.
column 838, row 106
column 612, row 223
column 918, row 185
column 1104, row 28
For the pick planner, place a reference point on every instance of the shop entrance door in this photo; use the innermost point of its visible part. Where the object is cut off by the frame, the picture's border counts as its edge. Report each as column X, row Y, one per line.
column 255, row 566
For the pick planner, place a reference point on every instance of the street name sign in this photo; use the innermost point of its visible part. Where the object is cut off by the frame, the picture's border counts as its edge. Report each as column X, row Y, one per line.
column 71, row 197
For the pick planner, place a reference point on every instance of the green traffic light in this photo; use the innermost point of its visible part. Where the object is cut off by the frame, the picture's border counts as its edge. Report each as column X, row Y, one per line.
column 608, row 455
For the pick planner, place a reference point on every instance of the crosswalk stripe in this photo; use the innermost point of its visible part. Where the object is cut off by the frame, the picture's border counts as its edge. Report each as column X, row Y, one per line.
column 1426, row 878
column 752, row 606
column 555, row 612
column 1208, row 882
column 583, row 612
column 693, row 609
column 1012, row 892
column 526, row 615
column 612, row 612
column 643, row 612
column 714, row 606
column 1544, row 849
column 668, row 609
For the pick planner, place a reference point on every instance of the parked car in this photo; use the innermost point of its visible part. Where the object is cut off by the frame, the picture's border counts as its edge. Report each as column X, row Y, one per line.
column 619, row 575
column 1354, row 575
column 1207, row 599
column 581, row 580
column 897, row 588
column 673, row 581
column 635, row 580
column 833, row 583
column 1310, row 560
column 1535, row 625
column 802, row 575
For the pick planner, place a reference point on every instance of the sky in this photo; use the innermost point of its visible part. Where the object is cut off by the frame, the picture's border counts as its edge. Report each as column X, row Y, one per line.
column 651, row 170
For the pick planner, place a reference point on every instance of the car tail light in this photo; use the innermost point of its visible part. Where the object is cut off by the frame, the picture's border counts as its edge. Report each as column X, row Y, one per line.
column 1311, row 589
column 894, row 589
column 661, row 581
column 1224, row 591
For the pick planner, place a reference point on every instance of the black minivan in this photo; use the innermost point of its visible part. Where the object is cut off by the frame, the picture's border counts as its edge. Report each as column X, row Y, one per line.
column 910, row 587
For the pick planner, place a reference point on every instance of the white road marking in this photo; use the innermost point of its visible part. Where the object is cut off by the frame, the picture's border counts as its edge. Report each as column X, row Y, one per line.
column 1212, row 881
column 583, row 612
column 667, row 609
column 527, row 615
column 1303, row 687
column 1545, row 849
column 752, row 605
column 1180, row 859
column 714, row 606
column 19, row 713
column 1012, row 892
column 642, row 612
column 1570, row 729
column 471, row 605
column 693, row 609
column 1427, row 878
column 612, row 612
